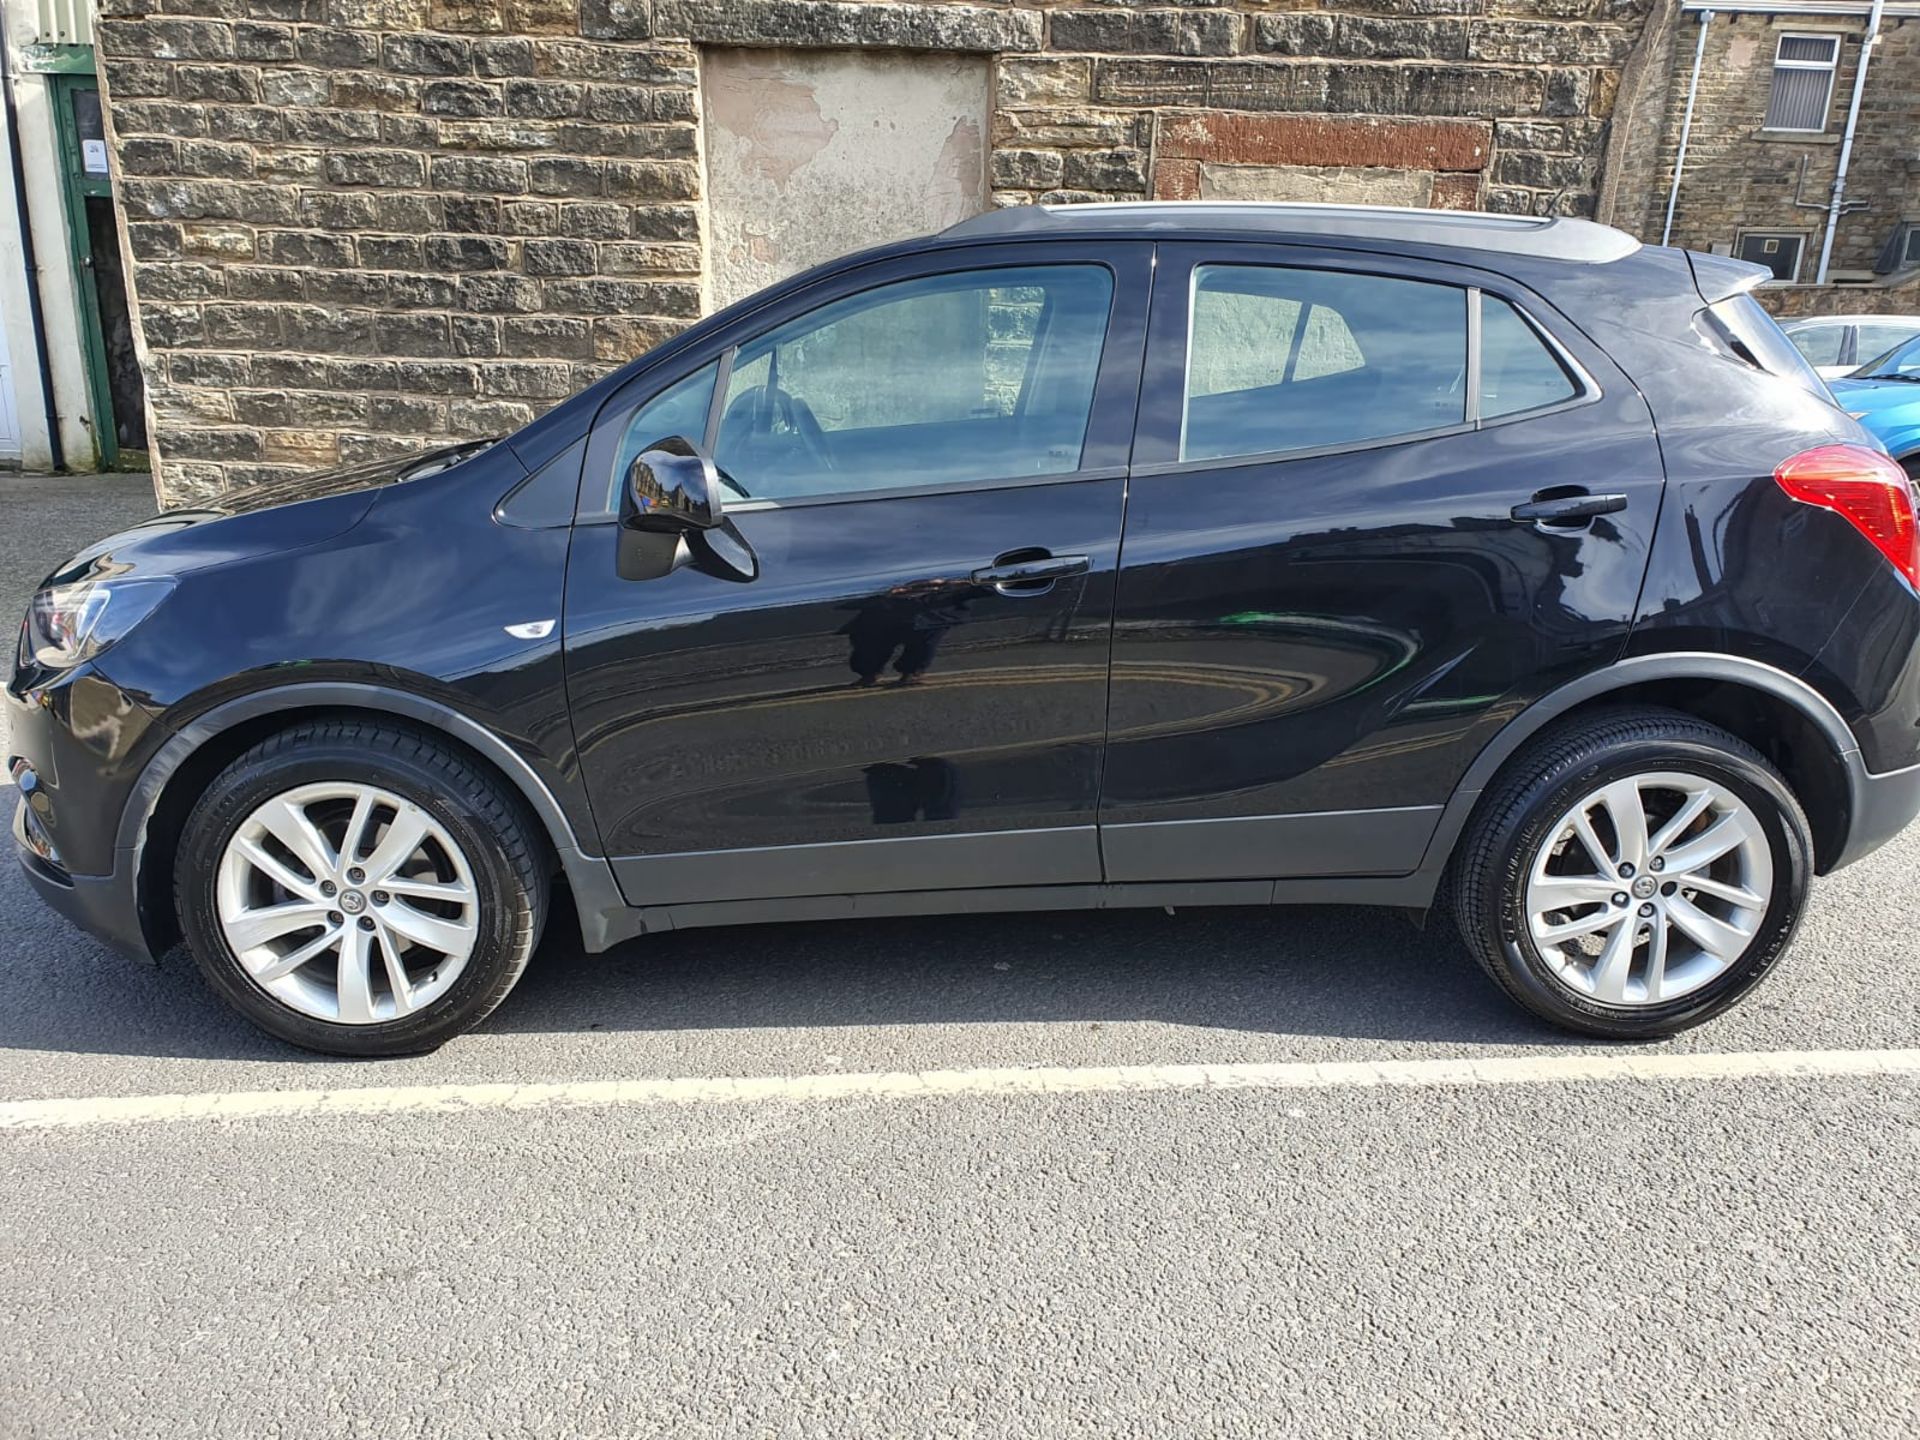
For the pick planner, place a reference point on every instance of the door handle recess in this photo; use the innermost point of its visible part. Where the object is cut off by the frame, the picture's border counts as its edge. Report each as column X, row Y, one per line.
column 1567, row 509
column 1013, row 576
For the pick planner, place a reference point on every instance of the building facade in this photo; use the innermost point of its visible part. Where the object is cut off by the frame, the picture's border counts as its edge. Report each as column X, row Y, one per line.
column 1742, row 143
column 359, row 227
column 356, row 228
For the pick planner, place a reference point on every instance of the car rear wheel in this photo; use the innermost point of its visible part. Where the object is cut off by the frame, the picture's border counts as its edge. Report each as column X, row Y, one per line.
column 1633, row 873
column 359, row 889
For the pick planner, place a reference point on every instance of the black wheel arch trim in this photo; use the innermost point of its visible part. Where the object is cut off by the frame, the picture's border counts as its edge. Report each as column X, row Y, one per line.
column 601, row 905
column 1638, row 670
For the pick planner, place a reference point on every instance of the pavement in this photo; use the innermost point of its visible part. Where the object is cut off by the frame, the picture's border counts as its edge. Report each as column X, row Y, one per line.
column 1387, row 1244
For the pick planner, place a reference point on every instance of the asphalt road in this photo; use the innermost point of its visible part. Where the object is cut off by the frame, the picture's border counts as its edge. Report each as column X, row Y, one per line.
column 1557, row 1257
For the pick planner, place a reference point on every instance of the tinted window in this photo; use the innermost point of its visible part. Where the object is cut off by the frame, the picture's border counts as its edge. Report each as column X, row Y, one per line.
column 953, row 378
column 1819, row 343
column 1282, row 359
column 678, row 410
column 1517, row 370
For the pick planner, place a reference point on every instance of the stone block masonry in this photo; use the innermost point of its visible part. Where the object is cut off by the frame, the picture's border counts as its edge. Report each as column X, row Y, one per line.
column 366, row 227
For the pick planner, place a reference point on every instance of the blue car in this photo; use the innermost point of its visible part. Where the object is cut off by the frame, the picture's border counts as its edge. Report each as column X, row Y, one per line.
column 1884, row 396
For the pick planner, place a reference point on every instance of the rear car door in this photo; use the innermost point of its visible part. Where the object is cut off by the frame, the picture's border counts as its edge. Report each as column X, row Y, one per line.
column 928, row 458
column 1377, row 505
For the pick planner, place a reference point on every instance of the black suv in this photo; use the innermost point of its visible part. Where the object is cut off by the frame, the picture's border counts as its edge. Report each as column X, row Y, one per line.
column 1108, row 556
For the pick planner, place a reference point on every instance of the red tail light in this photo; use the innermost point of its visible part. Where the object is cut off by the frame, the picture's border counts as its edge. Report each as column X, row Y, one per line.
column 1865, row 488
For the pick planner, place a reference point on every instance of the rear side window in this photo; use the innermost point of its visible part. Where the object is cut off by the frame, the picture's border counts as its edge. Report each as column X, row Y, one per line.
column 1750, row 333
column 1517, row 370
column 1286, row 359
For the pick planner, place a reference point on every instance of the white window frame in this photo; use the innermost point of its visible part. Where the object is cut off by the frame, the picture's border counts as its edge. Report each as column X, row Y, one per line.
column 1799, row 239
column 1831, row 65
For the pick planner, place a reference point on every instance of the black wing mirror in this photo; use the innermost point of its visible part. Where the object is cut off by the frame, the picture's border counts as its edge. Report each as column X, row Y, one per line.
column 671, row 512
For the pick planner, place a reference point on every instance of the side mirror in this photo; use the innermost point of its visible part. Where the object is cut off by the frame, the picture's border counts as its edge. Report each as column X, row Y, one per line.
column 671, row 513
column 673, row 487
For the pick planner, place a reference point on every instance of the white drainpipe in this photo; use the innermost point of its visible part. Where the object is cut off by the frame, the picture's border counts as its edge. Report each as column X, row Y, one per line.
column 1846, row 140
column 1686, row 125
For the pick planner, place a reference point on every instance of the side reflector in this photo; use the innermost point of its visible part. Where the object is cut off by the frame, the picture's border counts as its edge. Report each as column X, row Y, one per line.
column 1867, row 489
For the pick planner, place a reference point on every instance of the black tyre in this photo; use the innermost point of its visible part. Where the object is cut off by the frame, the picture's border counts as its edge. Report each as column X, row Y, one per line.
column 358, row 889
column 1625, row 925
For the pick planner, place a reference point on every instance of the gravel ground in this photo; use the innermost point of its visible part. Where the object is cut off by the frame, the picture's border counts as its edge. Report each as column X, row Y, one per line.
column 1625, row 1257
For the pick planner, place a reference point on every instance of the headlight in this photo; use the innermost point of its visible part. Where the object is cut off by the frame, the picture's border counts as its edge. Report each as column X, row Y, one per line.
column 70, row 623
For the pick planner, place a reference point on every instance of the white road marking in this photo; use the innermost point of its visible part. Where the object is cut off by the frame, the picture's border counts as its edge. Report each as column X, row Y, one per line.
column 1039, row 1080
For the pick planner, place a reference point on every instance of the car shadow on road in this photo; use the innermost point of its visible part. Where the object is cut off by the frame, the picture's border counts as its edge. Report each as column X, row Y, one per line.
column 1310, row 971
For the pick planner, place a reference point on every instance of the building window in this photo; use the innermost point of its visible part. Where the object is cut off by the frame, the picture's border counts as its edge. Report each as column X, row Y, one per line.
column 1911, row 254
column 1803, row 69
column 1779, row 253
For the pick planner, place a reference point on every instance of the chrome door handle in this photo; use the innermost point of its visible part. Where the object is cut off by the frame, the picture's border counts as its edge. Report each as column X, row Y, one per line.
column 1568, row 509
column 1012, row 577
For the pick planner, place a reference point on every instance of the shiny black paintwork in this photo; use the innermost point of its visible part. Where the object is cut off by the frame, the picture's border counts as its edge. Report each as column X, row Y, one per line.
column 1332, row 634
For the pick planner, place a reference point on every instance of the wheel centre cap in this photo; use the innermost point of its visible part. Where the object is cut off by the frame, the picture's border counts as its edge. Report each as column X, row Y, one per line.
column 1643, row 887
column 352, row 901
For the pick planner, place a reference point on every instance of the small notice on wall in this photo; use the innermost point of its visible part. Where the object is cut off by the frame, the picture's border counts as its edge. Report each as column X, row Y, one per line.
column 93, row 155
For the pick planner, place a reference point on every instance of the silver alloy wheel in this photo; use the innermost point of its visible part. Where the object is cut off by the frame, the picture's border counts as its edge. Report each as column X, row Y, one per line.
column 1649, row 888
column 347, row 903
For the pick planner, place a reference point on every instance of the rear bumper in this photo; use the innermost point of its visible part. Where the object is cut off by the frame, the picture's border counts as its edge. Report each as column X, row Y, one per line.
column 105, row 906
column 1883, row 806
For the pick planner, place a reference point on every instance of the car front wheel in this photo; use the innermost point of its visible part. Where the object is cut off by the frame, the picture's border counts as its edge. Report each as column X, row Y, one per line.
column 359, row 889
column 1633, row 873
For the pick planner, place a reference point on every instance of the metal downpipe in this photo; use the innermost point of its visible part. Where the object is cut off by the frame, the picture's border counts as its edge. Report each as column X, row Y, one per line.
column 1686, row 126
column 1838, row 202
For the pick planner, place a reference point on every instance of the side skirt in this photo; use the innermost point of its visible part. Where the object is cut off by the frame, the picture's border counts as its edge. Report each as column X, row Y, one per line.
column 1411, row 892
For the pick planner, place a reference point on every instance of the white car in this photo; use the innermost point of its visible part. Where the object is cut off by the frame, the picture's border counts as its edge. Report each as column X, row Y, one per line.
column 1837, row 345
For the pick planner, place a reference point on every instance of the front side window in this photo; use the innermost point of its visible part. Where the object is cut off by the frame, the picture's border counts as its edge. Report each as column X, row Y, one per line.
column 1876, row 339
column 1898, row 364
column 680, row 409
column 950, row 379
column 1802, row 90
column 1284, row 359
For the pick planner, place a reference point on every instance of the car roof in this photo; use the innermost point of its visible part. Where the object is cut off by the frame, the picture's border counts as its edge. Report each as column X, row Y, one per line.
column 1551, row 238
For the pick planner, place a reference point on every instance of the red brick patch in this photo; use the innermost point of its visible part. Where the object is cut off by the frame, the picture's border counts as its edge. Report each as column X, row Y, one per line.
column 1455, row 192
column 1176, row 180
column 1242, row 139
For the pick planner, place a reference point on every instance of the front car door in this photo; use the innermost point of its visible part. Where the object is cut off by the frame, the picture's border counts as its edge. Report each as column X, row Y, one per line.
column 928, row 457
column 1331, row 593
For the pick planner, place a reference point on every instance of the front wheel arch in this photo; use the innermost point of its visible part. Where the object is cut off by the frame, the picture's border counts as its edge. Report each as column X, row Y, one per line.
column 157, row 811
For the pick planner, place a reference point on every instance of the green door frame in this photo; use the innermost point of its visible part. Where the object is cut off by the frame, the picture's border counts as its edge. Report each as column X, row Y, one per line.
column 76, row 188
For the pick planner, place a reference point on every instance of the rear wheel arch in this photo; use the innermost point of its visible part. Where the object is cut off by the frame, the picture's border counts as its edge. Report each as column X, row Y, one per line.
column 1783, row 717
column 157, row 811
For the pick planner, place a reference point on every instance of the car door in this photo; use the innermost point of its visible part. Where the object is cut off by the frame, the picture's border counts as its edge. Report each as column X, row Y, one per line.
column 927, row 457
column 1376, row 506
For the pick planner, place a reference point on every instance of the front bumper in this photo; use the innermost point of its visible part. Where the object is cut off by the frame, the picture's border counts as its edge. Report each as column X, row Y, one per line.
column 76, row 745
column 105, row 906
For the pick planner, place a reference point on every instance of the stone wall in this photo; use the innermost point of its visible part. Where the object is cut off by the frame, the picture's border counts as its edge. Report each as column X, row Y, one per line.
column 1739, row 176
column 361, row 227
